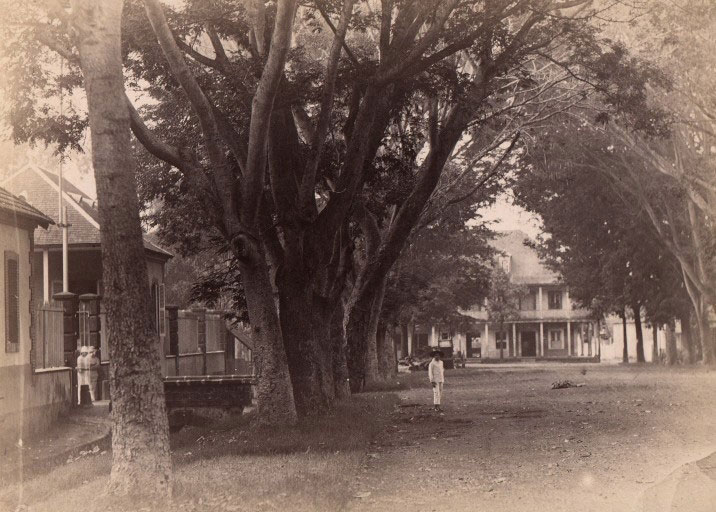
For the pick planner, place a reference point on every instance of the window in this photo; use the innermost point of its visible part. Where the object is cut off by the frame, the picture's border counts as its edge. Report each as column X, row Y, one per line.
column 444, row 335
column 158, row 304
column 555, row 299
column 528, row 302
column 162, row 310
column 556, row 341
column 12, row 302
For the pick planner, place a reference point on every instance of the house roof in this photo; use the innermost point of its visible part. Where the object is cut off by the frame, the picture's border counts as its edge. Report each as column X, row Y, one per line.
column 41, row 188
column 526, row 267
column 17, row 206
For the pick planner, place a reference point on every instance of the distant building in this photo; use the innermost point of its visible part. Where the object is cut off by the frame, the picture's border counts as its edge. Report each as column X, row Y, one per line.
column 30, row 398
column 549, row 326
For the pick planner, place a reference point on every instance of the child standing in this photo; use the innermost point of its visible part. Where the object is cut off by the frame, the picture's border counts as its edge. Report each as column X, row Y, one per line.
column 436, row 374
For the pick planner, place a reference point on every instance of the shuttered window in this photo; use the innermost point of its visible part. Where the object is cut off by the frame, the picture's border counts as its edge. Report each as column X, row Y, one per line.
column 12, row 302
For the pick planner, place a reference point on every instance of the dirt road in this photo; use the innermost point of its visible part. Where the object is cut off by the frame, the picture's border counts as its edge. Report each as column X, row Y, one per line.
column 507, row 442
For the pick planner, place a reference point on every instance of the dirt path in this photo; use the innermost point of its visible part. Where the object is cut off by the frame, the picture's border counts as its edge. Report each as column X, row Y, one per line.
column 508, row 442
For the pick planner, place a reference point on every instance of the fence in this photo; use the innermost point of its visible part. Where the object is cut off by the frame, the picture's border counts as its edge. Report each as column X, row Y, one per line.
column 200, row 343
column 49, row 339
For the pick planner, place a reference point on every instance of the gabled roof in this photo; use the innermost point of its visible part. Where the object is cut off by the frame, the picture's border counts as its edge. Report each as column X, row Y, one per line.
column 526, row 267
column 18, row 207
column 41, row 188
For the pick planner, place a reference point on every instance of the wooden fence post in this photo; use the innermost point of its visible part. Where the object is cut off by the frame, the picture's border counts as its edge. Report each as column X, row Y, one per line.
column 68, row 302
column 201, row 326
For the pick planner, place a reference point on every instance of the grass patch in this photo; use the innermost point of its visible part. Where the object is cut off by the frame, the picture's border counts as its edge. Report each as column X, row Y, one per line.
column 230, row 465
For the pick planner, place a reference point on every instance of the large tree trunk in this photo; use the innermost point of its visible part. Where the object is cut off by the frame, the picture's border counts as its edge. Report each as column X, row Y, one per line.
column 687, row 339
column 372, row 368
column 379, row 263
column 386, row 352
column 625, row 350
column 274, row 394
column 708, row 350
column 404, row 339
column 636, row 308
column 322, row 314
column 655, row 343
column 672, row 354
column 297, row 310
column 356, row 329
column 140, row 434
column 341, row 380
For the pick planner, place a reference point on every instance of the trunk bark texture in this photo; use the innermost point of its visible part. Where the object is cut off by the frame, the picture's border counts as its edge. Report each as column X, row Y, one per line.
column 274, row 394
column 687, row 339
column 356, row 329
column 386, row 352
column 341, row 380
column 140, row 434
column 672, row 354
column 302, row 344
column 655, row 345
column 625, row 351
column 404, row 340
column 708, row 350
column 636, row 308
column 322, row 314
column 372, row 366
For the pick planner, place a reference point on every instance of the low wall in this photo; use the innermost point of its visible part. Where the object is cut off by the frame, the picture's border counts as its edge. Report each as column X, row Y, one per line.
column 31, row 403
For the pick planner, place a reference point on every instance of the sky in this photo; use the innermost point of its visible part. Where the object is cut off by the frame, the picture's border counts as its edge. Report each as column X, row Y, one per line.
column 509, row 217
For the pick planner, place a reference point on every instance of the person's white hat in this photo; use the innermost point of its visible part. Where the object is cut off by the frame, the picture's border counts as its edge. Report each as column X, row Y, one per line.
column 84, row 349
column 92, row 349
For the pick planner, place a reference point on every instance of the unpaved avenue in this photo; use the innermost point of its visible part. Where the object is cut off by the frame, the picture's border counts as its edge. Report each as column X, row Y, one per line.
column 507, row 442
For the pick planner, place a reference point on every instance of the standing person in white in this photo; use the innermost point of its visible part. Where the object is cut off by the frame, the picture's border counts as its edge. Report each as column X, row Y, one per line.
column 83, row 372
column 94, row 371
column 436, row 374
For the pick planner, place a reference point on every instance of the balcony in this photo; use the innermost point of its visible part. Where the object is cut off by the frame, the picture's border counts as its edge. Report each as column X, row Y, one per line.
column 546, row 315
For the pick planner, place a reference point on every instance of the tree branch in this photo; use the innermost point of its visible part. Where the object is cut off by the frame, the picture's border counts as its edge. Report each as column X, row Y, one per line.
column 261, row 109
column 308, row 183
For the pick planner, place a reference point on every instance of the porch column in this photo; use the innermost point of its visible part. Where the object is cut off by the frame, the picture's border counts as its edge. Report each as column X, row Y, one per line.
column 45, row 276
column 486, row 343
column 411, row 330
column 514, row 340
column 540, row 348
column 569, row 337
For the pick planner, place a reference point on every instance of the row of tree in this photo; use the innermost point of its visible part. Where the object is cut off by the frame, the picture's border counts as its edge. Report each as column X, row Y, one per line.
column 628, row 205
column 304, row 146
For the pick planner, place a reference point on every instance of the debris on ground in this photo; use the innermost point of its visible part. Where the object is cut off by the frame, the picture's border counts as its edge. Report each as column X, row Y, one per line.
column 562, row 384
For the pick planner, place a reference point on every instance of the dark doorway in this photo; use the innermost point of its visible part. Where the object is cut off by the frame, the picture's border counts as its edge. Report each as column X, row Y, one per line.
column 473, row 346
column 528, row 343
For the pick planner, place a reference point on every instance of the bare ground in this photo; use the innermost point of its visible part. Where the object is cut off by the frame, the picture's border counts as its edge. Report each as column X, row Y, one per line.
column 507, row 442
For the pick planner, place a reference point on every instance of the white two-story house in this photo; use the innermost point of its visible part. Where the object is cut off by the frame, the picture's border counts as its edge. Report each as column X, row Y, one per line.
column 548, row 326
